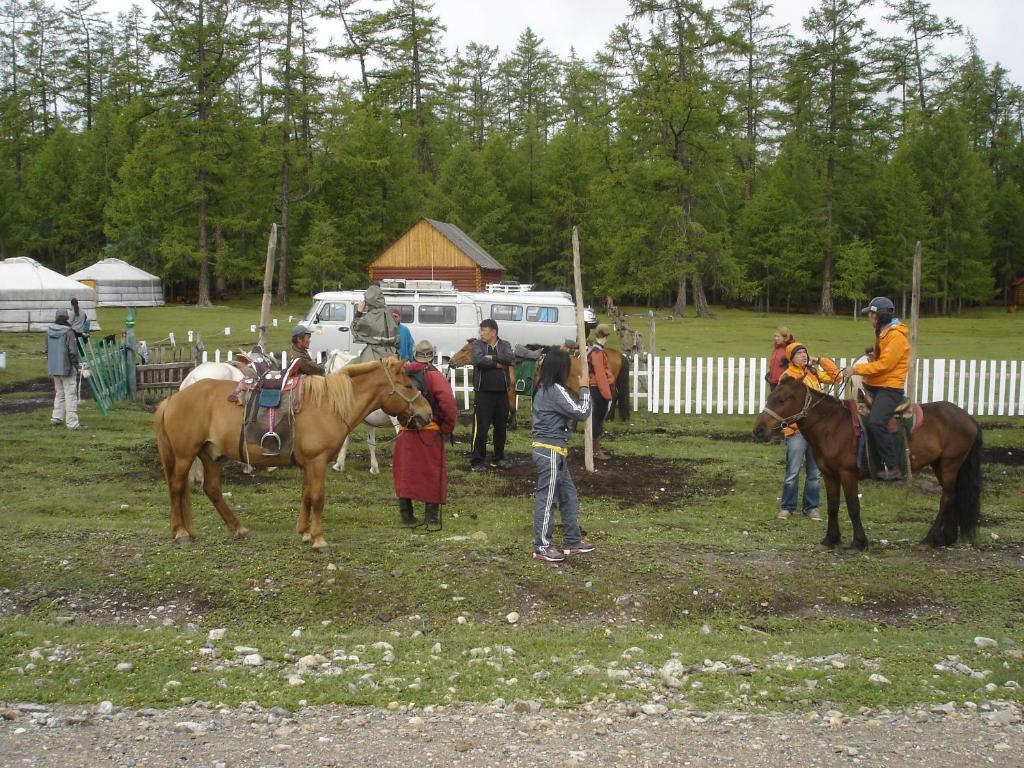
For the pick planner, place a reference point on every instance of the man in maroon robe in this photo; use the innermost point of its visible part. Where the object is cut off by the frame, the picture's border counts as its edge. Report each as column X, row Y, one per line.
column 418, row 464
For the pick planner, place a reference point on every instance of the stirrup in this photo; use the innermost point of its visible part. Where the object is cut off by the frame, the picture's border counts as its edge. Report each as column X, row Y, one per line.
column 902, row 408
column 271, row 436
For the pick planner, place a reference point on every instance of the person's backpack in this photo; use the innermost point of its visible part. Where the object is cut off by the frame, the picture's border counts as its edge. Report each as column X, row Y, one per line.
column 419, row 378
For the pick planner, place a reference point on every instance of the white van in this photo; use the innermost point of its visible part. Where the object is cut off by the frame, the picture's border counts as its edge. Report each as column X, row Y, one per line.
column 434, row 310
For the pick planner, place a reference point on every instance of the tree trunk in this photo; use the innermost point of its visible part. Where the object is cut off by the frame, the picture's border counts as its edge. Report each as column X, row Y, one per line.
column 286, row 118
column 679, row 308
column 700, row 299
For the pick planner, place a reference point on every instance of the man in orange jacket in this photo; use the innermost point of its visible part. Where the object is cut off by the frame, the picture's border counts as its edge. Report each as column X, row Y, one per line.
column 602, row 385
column 885, row 377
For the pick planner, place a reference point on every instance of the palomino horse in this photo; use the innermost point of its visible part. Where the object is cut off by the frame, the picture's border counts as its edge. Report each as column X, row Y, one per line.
column 337, row 360
column 616, row 360
column 949, row 441
column 200, row 422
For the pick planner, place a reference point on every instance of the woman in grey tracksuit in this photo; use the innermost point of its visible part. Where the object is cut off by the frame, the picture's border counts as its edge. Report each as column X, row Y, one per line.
column 554, row 410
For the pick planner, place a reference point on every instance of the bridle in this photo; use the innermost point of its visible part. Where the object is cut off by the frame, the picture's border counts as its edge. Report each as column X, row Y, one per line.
column 809, row 403
column 394, row 391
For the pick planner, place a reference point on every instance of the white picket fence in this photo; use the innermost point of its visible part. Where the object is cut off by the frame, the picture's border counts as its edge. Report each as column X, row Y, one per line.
column 731, row 385
column 736, row 385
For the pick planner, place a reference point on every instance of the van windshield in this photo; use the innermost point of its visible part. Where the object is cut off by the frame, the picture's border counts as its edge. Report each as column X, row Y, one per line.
column 333, row 312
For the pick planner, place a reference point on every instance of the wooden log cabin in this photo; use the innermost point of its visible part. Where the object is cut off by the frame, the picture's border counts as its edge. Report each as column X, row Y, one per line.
column 435, row 250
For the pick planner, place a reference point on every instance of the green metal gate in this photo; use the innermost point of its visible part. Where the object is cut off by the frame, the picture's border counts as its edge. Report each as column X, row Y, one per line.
column 108, row 366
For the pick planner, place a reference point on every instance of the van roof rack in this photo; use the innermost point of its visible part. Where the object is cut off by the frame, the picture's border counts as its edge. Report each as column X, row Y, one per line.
column 507, row 286
column 404, row 285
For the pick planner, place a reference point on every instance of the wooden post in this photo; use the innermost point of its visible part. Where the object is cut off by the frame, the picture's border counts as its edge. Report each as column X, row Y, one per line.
column 915, row 304
column 268, row 278
column 129, row 353
column 581, row 340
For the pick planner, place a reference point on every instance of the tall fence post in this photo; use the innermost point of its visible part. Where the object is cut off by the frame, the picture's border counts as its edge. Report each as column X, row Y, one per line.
column 129, row 352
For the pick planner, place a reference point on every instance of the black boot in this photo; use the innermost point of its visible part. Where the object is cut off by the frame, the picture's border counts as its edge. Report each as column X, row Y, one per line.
column 433, row 517
column 405, row 510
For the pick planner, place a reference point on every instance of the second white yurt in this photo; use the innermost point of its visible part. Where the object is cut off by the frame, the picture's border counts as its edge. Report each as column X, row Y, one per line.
column 31, row 294
column 119, row 284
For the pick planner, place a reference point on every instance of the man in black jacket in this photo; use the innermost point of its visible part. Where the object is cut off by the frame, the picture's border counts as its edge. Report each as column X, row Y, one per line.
column 492, row 359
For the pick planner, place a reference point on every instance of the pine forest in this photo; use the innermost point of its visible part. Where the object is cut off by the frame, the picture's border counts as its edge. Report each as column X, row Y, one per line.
column 707, row 155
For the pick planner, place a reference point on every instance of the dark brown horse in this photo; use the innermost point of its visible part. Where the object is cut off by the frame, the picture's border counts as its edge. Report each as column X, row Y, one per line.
column 200, row 422
column 618, row 362
column 949, row 441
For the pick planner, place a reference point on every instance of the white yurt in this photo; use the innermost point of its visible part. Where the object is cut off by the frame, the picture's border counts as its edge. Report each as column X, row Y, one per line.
column 31, row 294
column 119, row 284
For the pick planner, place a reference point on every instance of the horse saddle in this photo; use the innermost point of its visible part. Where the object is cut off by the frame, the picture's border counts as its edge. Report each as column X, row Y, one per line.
column 906, row 421
column 270, row 402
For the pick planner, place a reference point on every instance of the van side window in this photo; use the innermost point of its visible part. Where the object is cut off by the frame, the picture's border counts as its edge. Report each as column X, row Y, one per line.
column 437, row 314
column 506, row 312
column 542, row 314
column 333, row 313
column 408, row 311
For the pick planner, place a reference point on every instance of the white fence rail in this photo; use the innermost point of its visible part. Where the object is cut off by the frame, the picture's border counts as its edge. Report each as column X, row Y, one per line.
column 736, row 385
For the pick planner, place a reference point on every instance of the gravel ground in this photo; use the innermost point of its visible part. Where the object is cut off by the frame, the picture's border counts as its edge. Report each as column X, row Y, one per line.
column 515, row 734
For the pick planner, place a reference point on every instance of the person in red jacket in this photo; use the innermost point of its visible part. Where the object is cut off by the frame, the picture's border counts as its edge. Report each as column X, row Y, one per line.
column 602, row 385
column 777, row 363
column 418, row 465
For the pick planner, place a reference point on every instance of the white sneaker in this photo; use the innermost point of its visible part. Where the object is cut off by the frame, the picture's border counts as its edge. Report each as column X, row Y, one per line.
column 784, row 514
column 814, row 514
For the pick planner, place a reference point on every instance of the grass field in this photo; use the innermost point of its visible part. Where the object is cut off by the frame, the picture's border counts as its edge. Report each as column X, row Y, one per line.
column 694, row 567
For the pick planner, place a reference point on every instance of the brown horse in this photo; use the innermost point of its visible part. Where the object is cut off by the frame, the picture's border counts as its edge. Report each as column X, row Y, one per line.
column 949, row 441
column 618, row 362
column 200, row 422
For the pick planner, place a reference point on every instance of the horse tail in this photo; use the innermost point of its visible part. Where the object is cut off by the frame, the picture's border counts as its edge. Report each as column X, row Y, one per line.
column 163, row 442
column 622, row 388
column 967, row 492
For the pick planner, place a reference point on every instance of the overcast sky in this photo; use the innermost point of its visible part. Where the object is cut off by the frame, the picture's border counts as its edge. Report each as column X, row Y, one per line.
column 586, row 24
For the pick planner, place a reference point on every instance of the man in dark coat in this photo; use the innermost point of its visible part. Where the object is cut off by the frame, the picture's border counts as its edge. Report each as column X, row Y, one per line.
column 492, row 358
column 300, row 351
column 418, row 463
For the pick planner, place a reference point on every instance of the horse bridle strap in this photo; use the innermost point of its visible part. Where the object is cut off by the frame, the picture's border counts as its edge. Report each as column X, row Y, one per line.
column 394, row 389
column 785, row 421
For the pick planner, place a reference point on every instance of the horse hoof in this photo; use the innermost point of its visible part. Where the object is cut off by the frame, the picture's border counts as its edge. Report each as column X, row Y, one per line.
column 184, row 538
column 242, row 533
column 374, row 471
column 321, row 549
column 859, row 544
column 337, row 467
column 830, row 543
column 306, row 538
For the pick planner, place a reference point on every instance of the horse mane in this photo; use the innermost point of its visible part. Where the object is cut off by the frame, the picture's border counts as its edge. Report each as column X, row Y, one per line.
column 334, row 391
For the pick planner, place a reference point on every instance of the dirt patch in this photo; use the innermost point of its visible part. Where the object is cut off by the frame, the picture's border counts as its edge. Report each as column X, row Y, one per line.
column 633, row 479
column 732, row 437
column 41, row 384
column 24, row 405
column 1012, row 457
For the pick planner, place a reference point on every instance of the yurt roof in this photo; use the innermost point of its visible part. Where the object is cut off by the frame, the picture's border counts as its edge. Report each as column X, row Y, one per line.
column 114, row 269
column 21, row 274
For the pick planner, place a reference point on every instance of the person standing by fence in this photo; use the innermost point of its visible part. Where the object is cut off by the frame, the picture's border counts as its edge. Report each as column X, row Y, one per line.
column 62, row 363
column 79, row 322
column 492, row 358
column 602, row 385
column 781, row 339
